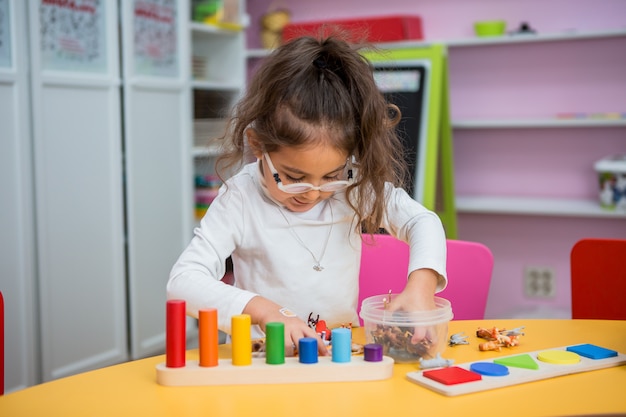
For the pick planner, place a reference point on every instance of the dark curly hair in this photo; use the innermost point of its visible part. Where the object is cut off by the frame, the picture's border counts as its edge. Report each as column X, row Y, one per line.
column 310, row 84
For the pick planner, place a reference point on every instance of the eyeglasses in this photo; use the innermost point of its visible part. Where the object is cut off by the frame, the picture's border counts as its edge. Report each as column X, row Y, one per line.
column 303, row 187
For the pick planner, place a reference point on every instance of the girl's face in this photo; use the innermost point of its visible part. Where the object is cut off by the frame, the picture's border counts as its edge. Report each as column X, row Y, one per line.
column 316, row 165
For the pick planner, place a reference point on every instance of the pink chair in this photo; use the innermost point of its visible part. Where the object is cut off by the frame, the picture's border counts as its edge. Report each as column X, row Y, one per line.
column 1, row 344
column 384, row 267
column 598, row 274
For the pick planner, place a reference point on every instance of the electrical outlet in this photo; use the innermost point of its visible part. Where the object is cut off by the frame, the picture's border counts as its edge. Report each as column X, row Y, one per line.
column 539, row 282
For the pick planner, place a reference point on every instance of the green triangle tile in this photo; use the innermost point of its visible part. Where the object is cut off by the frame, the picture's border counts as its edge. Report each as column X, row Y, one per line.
column 520, row 361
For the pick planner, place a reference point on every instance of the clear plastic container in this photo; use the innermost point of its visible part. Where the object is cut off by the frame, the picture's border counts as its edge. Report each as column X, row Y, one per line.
column 395, row 331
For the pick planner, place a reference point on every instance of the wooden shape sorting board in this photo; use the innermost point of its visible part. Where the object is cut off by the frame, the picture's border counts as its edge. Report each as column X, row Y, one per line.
column 292, row 371
column 516, row 375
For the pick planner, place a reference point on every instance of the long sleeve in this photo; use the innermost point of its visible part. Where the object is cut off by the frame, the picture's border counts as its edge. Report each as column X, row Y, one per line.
column 421, row 228
column 195, row 277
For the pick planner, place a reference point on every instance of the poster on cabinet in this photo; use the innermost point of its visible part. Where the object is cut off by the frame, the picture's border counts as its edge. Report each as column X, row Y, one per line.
column 155, row 34
column 5, row 34
column 73, row 36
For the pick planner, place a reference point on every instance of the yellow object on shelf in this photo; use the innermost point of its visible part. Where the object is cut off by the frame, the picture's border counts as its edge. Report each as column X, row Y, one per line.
column 490, row 28
column 222, row 14
column 272, row 24
column 223, row 25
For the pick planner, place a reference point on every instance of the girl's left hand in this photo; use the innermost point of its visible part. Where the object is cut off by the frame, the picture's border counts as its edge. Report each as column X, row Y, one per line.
column 418, row 295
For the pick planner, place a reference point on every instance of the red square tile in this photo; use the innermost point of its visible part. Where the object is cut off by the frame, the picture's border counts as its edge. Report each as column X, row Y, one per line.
column 452, row 375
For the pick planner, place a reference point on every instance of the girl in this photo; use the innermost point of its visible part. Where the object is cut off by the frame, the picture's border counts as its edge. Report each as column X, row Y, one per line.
column 328, row 168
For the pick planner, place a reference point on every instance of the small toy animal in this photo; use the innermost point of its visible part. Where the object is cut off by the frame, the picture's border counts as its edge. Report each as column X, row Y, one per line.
column 515, row 332
column 436, row 362
column 458, row 339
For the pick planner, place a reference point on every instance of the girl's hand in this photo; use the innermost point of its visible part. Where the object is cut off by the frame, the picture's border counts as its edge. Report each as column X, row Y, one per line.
column 263, row 311
column 418, row 295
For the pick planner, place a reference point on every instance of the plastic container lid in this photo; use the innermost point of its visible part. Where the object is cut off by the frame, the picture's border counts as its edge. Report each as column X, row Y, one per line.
column 373, row 309
column 613, row 163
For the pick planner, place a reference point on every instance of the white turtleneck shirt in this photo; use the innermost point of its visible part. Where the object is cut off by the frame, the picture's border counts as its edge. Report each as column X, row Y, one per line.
column 274, row 252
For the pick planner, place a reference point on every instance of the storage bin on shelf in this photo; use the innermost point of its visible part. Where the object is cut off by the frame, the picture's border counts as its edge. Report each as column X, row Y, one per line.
column 374, row 28
column 612, row 182
column 207, row 187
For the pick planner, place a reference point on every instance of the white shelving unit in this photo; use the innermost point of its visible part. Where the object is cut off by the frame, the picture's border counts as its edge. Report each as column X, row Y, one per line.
column 223, row 50
column 537, row 123
column 548, row 37
column 218, row 79
column 510, row 39
column 218, row 76
column 539, row 206
column 205, row 151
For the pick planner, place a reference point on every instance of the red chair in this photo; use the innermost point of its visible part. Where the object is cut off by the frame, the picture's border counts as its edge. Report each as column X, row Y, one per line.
column 598, row 274
column 384, row 267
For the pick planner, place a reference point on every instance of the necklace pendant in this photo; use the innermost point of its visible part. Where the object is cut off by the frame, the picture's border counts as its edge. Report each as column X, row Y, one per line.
column 318, row 267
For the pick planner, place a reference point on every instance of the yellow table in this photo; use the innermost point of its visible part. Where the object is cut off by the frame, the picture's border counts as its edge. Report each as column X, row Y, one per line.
column 130, row 388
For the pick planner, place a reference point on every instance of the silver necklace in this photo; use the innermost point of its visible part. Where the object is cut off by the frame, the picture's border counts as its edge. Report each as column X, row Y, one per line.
column 317, row 266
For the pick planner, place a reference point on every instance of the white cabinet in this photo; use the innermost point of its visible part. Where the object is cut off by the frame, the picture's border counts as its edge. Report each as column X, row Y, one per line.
column 95, row 151
column 18, row 272
column 79, row 203
column 157, row 145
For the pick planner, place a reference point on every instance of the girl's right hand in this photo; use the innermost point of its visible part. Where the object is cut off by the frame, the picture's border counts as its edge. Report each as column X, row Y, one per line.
column 296, row 329
column 263, row 311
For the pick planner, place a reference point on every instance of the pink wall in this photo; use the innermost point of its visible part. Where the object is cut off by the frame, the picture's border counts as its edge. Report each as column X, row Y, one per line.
column 538, row 79
column 533, row 162
column 525, row 80
column 518, row 241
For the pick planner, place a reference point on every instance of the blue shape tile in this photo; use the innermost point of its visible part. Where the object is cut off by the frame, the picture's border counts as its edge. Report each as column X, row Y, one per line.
column 592, row 351
column 489, row 369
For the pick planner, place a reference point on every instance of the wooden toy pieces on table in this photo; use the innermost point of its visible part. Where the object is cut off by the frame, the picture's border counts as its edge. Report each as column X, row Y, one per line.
column 273, row 368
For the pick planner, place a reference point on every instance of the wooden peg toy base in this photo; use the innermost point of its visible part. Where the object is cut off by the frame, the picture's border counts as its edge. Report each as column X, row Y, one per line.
column 259, row 372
